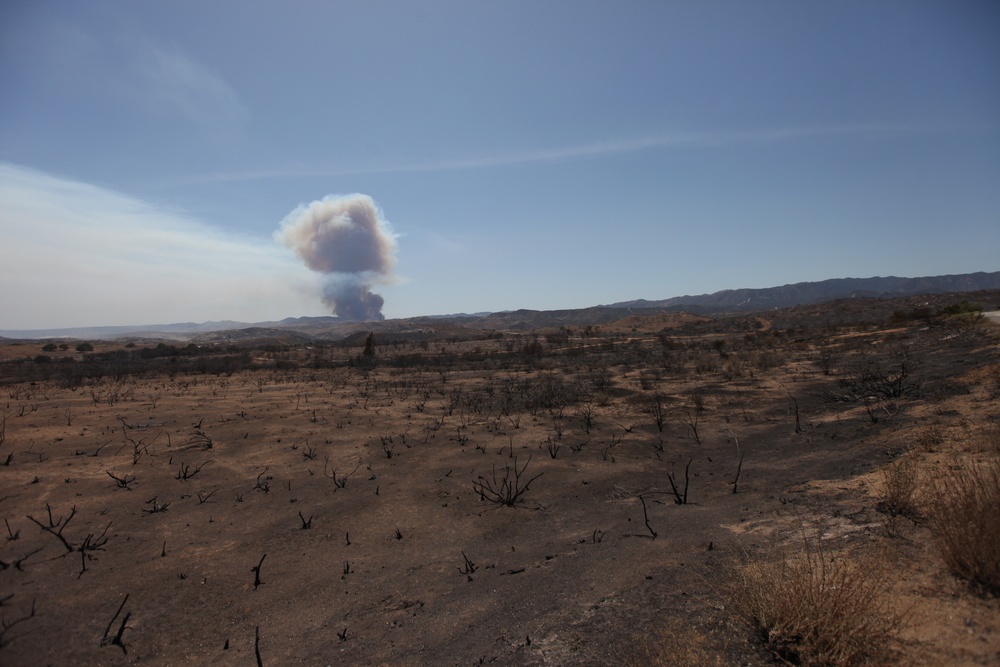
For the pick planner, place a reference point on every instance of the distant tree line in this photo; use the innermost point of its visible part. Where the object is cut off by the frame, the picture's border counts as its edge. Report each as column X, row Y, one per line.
column 162, row 359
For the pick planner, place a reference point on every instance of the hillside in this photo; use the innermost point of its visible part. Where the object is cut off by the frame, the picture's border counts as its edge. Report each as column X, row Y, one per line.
column 800, row 294
column 726, row 301
column 601, row 495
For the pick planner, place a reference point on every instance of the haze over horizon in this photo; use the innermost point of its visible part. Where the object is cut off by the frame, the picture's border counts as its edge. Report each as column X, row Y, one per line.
column 516, row 155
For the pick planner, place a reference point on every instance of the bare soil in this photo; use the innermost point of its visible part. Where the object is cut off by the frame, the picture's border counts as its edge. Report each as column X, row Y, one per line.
column 356, row 487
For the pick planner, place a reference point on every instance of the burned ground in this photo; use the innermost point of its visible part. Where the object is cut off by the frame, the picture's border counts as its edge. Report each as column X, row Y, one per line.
column 322, row 506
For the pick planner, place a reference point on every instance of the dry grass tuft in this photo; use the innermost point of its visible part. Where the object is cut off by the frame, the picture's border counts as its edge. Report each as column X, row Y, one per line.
column 986, row 439
column 930, row 439
column 815, row 609
column 897, row 497
column 965, row 521
column 677, row 644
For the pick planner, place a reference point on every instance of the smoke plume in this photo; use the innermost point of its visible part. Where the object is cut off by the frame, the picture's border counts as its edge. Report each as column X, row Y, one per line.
column 346, row 239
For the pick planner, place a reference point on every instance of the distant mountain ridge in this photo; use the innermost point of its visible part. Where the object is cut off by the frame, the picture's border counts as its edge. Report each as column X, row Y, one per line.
column 179, row 330
column 726, row 301
column 800, row 294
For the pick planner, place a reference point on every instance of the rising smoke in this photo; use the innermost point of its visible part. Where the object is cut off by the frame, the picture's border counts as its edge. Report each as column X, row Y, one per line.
column 346, row 239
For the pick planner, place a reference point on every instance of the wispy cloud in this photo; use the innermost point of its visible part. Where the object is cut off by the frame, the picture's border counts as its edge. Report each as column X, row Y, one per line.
column 78, row 255
column 592, row 150
column 177, row 81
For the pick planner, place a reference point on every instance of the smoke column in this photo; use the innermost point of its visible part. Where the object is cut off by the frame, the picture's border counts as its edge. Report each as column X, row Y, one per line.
column 346, row 239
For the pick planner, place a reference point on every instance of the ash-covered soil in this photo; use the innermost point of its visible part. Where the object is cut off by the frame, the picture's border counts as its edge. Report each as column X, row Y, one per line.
column 640, row 467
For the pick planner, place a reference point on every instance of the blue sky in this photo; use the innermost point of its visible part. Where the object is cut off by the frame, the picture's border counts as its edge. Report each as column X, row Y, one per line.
column 524, row 154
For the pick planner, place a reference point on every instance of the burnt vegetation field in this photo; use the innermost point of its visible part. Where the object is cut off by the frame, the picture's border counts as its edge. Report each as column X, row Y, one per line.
column 815, row 486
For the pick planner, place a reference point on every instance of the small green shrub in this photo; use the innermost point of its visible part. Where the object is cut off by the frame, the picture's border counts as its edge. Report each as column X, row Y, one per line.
column 961, row 308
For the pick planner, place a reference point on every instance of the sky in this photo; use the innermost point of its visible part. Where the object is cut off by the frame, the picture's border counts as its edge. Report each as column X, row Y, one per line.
column 544, row 155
